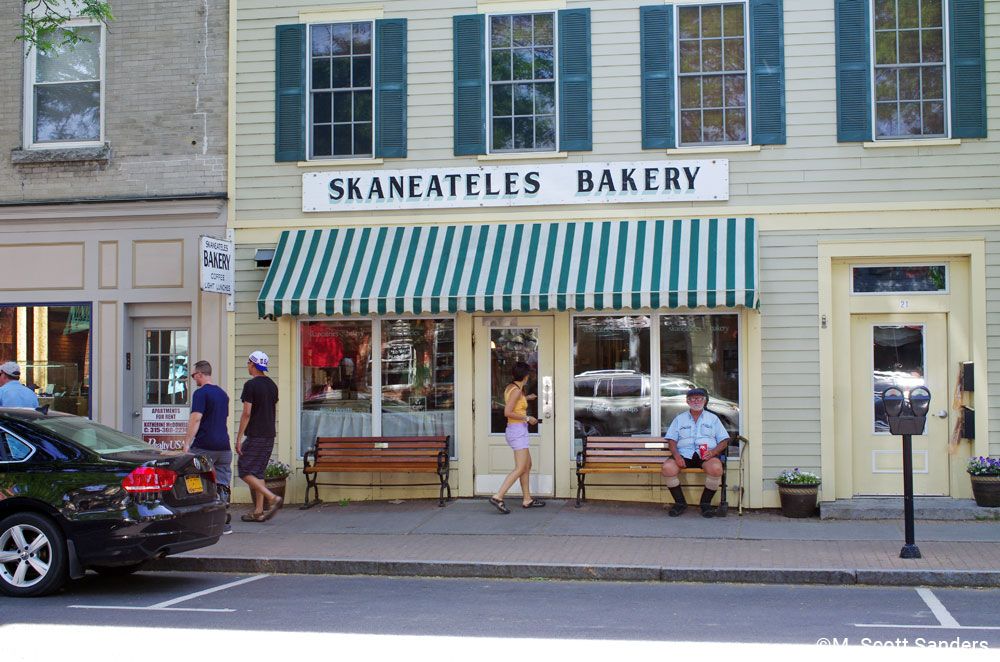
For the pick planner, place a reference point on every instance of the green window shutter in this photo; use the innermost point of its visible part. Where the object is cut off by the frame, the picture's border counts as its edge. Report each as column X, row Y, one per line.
column 767, row 71
column 656, row 46
column 574, row 81
column 968, row 69
column 854, row 95
column 290, row 92
column 390, row 88
column 470, row 84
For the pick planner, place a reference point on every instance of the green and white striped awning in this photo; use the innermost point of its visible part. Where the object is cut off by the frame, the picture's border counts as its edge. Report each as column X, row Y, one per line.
column 599, row 265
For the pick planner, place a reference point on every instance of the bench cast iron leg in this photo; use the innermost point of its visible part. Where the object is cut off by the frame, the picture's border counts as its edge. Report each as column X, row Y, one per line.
column 581, row 489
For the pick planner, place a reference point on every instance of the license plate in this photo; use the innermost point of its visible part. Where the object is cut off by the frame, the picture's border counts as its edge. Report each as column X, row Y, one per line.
column 194, row 485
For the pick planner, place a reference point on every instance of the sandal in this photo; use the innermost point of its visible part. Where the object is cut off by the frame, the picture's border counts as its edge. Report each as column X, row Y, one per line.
column 251, row 517
column 534, row 503
column 500, row 505
column 272, row 509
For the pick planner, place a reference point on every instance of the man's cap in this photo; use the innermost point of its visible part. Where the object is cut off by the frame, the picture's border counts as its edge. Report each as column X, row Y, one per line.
column 259, row 359
column 697, row 391
column 11, row 369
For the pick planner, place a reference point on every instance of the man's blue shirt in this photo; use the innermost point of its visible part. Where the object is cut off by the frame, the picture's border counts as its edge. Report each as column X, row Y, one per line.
column 688, row 434
column 16, row 394
column 213, row 404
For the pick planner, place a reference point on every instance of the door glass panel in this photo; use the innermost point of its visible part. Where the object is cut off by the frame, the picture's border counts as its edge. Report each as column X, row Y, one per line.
column 166, row 378
column 897, row 360
column 507, row 347
column 611, row 391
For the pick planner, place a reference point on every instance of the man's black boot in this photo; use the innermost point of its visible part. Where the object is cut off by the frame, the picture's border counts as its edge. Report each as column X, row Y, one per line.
column 706, row 503
column 680, row 503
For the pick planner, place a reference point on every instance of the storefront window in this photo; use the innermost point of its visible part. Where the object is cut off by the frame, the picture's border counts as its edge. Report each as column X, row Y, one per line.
column 418, row 377
column 611, row 383
column 416, row 395
column 700, row 350
column 51, row 344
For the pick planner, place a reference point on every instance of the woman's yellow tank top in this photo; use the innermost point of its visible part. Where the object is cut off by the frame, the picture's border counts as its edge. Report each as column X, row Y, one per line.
column 520, row 408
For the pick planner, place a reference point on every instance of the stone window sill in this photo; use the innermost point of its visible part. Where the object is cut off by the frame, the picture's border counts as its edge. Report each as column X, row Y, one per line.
column 98, row 154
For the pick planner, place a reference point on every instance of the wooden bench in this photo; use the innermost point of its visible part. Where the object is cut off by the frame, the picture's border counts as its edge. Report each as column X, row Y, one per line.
column 377, row 455
column 631, row 455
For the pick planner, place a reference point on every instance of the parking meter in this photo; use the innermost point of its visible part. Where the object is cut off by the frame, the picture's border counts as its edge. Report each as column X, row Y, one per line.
column 907, row 417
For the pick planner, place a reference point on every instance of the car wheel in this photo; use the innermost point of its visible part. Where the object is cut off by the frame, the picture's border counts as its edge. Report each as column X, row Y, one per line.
column 117, row 570
column 32, row 556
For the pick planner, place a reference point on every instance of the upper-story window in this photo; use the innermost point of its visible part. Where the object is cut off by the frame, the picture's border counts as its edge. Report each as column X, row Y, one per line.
column 64, row 89
column 340, row 90
column 522, row 82
column 712, row 72
column 910, row 68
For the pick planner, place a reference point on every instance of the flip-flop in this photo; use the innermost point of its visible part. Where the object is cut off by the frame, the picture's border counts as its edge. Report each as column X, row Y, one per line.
column 250, row 517
column 500, row 505
column 535, row 503
column 273, row 508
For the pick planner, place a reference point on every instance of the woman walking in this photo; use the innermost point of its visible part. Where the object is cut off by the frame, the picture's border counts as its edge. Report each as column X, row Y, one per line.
column 516, row 411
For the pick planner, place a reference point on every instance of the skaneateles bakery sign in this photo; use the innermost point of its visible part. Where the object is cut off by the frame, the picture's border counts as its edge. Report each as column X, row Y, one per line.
column 510, row 185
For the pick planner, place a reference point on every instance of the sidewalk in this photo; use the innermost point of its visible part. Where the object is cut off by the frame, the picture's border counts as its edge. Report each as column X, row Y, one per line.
column 601, row 540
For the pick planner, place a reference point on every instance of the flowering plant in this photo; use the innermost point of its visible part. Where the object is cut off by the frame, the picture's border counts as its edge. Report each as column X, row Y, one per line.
column 798, row 477
column 983, row 466
column 277, row 469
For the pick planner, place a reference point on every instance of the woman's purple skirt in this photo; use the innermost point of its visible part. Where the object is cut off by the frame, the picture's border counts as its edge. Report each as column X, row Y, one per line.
column 517, row 436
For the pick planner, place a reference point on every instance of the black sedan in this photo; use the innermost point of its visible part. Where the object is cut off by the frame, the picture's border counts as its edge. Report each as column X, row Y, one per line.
column 76, row 495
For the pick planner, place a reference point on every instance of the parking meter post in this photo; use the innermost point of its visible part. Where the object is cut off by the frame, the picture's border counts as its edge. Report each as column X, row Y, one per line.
column 910, row 549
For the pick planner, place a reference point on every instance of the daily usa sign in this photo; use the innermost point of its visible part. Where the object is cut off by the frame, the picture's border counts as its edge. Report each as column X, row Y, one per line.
column 510, row 185
column 216, row 260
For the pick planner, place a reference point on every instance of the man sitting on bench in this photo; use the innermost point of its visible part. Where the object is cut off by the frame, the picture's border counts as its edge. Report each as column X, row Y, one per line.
column 696, row 438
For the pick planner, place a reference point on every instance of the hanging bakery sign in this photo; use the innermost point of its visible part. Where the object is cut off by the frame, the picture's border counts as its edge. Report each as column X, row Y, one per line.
column 506, row 186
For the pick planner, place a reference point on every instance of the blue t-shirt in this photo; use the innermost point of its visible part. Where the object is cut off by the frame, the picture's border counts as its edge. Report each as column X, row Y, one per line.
column 16, row 394
column 688, row 434
column 213, row 404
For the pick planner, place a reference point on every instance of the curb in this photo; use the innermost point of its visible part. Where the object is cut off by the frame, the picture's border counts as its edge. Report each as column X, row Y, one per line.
column 581, row 572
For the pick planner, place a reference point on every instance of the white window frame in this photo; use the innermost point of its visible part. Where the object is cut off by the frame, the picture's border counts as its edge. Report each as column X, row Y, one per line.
column 946, row 45
column 676, row 47
column 29, row 93
column 309, row 94
column 489, row 82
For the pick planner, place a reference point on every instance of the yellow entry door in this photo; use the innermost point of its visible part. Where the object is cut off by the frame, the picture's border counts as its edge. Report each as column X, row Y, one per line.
column 905, row 351
column 500, row 342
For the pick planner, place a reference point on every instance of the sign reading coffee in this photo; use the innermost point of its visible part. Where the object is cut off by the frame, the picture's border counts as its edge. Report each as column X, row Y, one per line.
column 505, row 186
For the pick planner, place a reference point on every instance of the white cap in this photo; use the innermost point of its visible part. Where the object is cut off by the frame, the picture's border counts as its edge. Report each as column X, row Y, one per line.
column 11, row 369
column 259, row 359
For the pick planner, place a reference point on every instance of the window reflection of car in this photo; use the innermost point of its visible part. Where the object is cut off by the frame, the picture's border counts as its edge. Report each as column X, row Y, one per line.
column 617, row 402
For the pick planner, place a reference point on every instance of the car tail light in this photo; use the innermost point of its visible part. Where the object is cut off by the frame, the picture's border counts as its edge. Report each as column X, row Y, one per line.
column 149, row 479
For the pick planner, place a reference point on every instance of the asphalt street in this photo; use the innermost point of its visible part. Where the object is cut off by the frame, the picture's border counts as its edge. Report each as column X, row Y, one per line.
column 470, row 612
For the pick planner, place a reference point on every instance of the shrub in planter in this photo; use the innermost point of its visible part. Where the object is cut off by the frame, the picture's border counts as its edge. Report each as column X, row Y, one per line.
column 798, row 490
column 984, row 472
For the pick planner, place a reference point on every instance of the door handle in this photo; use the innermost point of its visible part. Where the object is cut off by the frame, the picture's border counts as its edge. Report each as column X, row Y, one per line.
column 546, row 397
column 941, row 414
column 137, row 413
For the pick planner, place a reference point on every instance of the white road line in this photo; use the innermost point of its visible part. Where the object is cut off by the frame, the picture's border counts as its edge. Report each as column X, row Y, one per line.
column 938, row 609
column 168, row 604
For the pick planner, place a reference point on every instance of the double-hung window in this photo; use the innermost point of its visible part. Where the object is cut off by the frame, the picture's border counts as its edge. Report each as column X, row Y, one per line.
column 712, row 74
column 64, row 90
column 340, row 90
column 522, row 82
column 910, row 69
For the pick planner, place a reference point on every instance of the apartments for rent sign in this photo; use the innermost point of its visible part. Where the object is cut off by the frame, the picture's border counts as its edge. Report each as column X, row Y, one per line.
column 506, row 186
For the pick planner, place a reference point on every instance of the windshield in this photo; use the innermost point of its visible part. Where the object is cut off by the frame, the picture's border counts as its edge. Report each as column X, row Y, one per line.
column 93, row 436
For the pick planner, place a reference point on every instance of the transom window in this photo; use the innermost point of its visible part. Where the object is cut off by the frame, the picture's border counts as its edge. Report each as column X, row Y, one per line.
column 909, row 68
column 340, row 90
column 522, row 82
column 712, row 72
column 64, row 101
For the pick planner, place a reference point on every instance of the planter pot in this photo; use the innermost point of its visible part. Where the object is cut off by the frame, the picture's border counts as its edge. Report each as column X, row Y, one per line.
column 798, row 500
column 276, row 485
column 986, row 490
